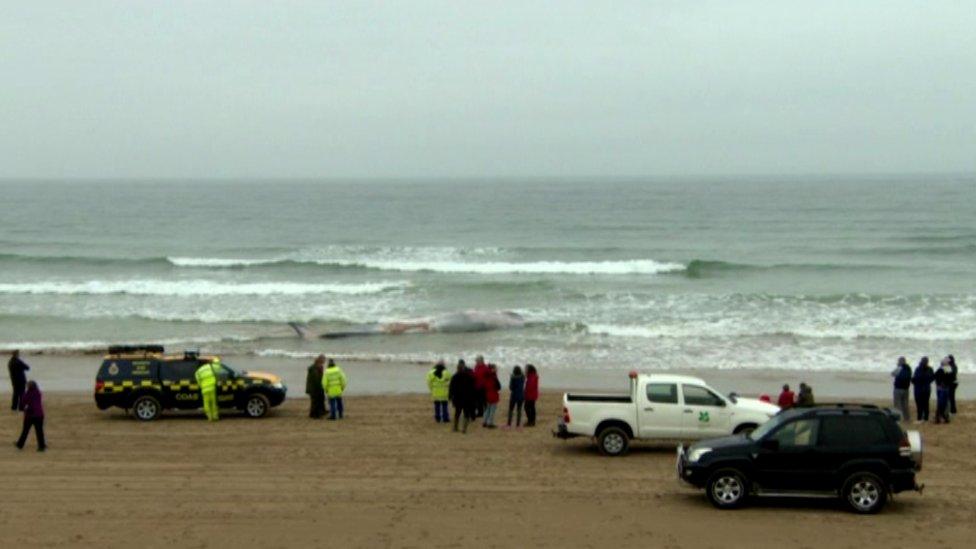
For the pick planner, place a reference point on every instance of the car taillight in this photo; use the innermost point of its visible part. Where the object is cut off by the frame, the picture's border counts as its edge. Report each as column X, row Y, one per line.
column 565, row 415
column 905, row 447
column 99, row 385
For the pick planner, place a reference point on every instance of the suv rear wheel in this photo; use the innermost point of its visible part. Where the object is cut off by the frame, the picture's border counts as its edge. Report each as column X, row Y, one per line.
column 865, row 493
column 727, row 489
column 613, row 441
column 146, row 408
column 257, row 405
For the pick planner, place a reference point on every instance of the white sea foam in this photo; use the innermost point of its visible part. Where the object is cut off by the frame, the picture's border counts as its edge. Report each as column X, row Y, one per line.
column 195, row 288
column 635, row 266
column 439, row 260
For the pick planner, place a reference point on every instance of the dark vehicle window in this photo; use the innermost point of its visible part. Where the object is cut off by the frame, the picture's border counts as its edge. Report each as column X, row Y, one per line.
column 700, row 396
column 799, row 433
column 179, row 370
column 664, row 393
column 848, row 431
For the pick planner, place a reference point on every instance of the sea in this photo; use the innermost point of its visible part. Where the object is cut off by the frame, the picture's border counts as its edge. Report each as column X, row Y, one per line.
column 795, row 273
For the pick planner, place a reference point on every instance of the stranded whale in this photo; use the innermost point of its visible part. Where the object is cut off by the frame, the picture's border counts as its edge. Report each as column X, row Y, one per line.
column 462, row 322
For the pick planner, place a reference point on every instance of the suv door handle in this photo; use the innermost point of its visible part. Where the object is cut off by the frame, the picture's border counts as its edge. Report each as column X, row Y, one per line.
column 648, row 409
column 689, row 411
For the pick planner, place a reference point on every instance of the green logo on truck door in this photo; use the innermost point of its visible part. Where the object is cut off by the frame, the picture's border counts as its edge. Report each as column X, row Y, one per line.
column 703, row 417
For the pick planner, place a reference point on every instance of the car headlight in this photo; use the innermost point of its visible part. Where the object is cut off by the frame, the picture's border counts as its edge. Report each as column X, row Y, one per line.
column 278, row 385
column 697, row 454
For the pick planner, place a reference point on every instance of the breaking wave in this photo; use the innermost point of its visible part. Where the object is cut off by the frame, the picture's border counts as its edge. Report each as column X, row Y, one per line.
column 195, row 288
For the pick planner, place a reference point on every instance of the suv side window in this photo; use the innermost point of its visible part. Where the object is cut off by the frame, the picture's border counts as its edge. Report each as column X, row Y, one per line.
column 180, row 370
column 663, row 393
column 853, row 431
column 798, row 434
column 700, row 396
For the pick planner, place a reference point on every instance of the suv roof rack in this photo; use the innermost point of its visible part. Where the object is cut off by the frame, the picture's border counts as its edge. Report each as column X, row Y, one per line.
column 135, row 349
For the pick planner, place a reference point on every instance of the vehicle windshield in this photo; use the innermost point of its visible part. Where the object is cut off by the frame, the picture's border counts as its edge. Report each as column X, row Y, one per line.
column 765, row 428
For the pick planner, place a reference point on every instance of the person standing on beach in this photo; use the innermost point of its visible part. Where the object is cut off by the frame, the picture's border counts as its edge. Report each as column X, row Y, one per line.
column 461, row 392
column 439, row 382
column 943, row 381
column 805, row 396
column 480, row 385
column 492, row 389
column 516, row 396
column 922, row 382
column 313, row 388
column 18, row 378
column 206, row 376
column 334, row 384
column 33, row 408
column 531, row 394
column 953, row 383
column 903, row 380
column 786, row 398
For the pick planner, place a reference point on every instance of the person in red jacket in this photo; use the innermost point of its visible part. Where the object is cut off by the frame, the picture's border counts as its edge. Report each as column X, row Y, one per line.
column 531, row 394
column 492, row 389
column 33, row 409
column 481, row 375
column 786, row 398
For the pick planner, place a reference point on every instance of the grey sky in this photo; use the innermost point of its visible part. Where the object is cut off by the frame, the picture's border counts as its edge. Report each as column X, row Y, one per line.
column 416, row 88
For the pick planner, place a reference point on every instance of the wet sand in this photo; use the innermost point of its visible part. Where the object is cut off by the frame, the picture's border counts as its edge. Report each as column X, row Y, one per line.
column 389, row 477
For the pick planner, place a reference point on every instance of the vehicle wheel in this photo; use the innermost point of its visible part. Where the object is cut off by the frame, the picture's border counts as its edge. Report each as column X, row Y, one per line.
column 257, row 405
column 613, row 441
column 146, row 408
column 865, row 493
column 727, row 489
column 744, row 429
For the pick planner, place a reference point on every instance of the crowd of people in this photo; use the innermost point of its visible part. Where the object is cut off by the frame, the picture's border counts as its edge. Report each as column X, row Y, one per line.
column 476, row 392
column 788, row 399
column 945, row 378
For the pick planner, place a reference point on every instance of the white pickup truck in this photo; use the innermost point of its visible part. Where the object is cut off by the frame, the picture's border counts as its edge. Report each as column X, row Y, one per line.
column 659, row 407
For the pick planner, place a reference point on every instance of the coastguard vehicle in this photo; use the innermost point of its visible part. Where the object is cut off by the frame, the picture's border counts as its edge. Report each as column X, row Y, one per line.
column 147, row 381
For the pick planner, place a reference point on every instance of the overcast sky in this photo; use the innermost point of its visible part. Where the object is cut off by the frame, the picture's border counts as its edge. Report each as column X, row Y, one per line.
column 486, row 89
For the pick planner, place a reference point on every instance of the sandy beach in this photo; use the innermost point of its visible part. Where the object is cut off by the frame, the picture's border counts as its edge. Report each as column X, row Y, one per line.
column 388, row 476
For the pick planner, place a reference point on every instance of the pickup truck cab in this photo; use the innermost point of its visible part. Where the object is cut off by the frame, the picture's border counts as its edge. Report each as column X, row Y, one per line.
column 659, row 407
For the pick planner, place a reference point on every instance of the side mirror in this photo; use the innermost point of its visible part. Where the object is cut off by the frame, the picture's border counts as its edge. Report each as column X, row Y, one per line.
column 734, row 397
column 770, row 444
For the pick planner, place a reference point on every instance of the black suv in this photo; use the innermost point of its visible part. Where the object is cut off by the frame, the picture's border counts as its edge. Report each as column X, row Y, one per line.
column 145, row 380
column 856, row 452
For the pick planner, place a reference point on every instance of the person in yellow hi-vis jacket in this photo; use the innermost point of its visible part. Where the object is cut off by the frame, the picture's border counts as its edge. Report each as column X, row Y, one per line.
column 207, row 381
column 438, row 381
column 334, row 383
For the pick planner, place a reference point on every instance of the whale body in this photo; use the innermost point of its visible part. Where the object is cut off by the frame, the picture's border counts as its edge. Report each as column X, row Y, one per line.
column 451, row 323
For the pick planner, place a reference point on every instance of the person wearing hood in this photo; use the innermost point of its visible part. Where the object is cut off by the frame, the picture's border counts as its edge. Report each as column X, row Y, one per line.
column 33, row 408
column 516, row 396
column 313, row 388
column 461, row 393
column 18, row 378
column 531, row 394
column 902, row 375
column 493, row 388
column 922, row 383
column 438, row 382
column 943, row 382
column 481, row 385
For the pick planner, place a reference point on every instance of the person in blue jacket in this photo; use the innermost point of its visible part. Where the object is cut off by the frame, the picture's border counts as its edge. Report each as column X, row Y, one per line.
column 903, row 381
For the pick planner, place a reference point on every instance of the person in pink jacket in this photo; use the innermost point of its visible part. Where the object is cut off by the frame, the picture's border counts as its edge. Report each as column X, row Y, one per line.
column 33, row 409
column 531, row 394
